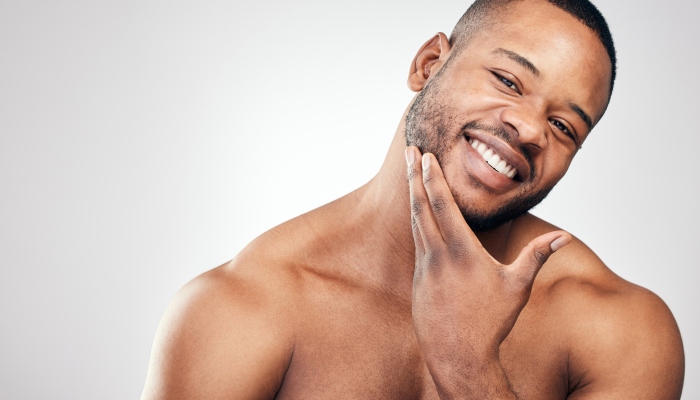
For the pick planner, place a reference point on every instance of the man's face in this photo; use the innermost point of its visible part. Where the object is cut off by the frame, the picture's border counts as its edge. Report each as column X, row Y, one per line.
column 527, row 90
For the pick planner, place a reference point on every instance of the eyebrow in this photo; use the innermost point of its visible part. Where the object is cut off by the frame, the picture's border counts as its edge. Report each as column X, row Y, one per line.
column 585, row 117
column 518, row 59
column 531, row 67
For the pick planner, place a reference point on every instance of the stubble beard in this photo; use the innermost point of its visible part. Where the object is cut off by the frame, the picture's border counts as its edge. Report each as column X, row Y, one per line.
column 432, row 128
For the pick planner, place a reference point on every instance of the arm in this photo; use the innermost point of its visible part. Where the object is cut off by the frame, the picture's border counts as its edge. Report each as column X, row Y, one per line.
column 626, row 345
column 465, row 303
column 221, row 338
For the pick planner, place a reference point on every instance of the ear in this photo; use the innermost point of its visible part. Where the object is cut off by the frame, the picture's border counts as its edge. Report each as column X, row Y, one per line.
column 428, row 61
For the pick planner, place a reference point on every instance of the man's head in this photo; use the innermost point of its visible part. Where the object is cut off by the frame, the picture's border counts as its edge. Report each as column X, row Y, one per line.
column 525, row 80
column 484, row 13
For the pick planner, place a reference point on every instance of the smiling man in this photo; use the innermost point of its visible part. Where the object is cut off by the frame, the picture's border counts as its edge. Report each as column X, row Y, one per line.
column 432, row 280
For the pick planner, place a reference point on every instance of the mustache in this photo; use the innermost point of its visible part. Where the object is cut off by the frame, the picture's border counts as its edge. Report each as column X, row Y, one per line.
column 501, row 132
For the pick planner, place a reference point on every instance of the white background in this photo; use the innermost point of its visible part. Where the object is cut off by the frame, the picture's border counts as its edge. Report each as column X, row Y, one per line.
column 144, row 142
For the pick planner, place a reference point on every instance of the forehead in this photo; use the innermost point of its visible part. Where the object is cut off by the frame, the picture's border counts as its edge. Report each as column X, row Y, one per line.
column 572, row 62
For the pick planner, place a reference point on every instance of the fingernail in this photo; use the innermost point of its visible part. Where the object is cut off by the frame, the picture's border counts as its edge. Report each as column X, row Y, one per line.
column 426, row 162
column 410, row 156
column 560, row 242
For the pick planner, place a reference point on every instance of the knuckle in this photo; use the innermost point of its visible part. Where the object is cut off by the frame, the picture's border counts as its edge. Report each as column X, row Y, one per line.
column 427, row 178
column 417, row 206
column 433, row 257
column 439, row 204
column 459, row 251
column 539, row 256
column 524, row 281
column 411, row 174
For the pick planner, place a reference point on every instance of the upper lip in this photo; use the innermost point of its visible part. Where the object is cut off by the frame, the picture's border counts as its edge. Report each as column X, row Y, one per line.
column 504, row 151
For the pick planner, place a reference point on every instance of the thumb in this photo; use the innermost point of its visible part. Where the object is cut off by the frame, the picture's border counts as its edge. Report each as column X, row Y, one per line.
column 536, row 253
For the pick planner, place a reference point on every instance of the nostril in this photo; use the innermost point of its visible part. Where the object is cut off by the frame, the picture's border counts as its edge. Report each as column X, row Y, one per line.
column 513, row 129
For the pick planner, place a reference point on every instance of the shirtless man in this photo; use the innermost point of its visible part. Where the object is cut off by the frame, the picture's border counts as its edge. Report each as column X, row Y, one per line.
column 432, row 280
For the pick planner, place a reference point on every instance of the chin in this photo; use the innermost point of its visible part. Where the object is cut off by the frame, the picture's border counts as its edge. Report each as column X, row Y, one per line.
column 482, row 221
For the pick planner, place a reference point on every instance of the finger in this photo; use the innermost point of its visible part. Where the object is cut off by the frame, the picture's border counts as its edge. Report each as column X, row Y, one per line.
column 426, row 230
column 453, row 228
column 419, row 254
column 535, row 254
column 417, row 239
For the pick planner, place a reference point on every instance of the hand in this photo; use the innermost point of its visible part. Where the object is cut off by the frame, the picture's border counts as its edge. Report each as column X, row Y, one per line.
column 465, row 302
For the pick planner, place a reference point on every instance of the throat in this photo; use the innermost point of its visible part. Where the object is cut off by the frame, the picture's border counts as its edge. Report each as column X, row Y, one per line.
column 496, row 242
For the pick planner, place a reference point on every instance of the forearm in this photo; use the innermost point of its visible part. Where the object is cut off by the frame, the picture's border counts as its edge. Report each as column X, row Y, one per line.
column 483, row 380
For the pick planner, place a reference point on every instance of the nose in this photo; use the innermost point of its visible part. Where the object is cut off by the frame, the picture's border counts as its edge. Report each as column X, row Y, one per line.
column 528, row 123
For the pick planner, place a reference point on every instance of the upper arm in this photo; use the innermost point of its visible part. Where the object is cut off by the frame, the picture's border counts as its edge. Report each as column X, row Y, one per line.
column 627, row 346
column 220, row 338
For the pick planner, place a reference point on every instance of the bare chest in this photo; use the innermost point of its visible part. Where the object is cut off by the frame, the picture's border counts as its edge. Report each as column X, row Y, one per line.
column 367, row 349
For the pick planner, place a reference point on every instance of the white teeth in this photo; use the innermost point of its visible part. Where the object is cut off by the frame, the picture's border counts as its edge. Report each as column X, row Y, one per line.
column 493, row 159
column 501, row 167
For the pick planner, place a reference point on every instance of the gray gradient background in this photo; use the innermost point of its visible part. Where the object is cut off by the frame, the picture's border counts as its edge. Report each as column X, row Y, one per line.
column 144, row 142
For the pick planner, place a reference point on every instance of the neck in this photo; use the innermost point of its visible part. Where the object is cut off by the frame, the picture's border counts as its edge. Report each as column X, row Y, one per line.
column 385, row 203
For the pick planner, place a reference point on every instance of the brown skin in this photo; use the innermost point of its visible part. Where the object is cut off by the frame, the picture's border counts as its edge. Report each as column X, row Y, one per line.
column 327, row 305
column 465, row 303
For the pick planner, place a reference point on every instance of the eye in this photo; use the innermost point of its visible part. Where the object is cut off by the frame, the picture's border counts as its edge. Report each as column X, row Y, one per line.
column 559, row 125
column 507, row 82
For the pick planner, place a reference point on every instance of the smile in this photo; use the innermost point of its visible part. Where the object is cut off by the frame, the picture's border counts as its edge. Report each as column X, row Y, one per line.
column 492, row 159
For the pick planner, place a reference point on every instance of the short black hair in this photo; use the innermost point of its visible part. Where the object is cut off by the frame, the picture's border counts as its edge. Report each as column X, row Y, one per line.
column 477, row 16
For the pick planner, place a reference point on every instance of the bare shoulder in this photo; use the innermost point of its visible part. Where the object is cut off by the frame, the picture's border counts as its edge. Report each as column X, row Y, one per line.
column 623, row 340
column 228, row 332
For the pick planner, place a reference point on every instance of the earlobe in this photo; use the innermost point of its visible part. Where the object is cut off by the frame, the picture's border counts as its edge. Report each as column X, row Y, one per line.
column 431, row 56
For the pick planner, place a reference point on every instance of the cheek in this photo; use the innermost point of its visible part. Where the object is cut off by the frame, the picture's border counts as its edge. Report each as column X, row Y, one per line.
column 473, row 96
column 555, row 169
column 454, row 167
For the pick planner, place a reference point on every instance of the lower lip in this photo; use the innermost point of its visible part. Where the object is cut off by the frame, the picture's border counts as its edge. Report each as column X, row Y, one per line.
column 483, row 172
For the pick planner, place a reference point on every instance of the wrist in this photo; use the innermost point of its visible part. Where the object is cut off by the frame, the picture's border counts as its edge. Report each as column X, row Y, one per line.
column 483, row 378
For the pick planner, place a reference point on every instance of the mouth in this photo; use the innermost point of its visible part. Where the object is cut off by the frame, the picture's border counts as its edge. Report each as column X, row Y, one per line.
column 494, row 160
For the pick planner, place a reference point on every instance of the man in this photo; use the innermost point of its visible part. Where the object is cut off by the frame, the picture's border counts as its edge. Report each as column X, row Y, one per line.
column 432, row 281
